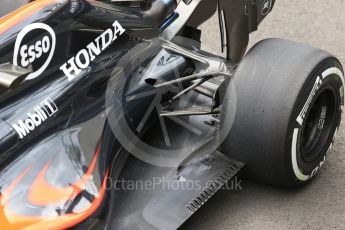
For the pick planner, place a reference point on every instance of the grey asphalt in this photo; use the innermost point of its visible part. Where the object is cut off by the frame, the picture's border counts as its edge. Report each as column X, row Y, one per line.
column 320, row 205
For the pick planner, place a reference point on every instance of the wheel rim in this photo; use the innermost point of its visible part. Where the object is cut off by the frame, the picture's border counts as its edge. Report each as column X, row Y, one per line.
column 317, row 130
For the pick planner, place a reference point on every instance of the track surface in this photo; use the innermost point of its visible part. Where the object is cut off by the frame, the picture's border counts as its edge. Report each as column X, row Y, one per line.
column 320, row 205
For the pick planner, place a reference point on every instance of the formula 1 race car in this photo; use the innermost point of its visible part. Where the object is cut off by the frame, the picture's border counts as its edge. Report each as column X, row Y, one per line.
column 113, row 117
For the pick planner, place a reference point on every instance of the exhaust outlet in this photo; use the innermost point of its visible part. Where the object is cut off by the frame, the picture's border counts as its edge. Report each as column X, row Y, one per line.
column 11, row 75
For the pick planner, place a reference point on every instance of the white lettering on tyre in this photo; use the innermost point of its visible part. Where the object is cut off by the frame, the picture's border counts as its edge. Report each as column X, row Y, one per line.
column 297, row 171
column 82, row 60
column 305, row 109
column 28, row 54
column 322, row 118
column 40, row 113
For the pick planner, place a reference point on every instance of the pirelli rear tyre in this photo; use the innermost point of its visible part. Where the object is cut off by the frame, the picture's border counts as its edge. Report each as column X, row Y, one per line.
column 290, row 98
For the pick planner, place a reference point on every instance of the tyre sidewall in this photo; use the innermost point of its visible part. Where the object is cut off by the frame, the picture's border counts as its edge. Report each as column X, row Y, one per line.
column 331, row 82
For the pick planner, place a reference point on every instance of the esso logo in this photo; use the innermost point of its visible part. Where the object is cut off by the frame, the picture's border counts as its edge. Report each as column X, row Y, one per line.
column 28, row 53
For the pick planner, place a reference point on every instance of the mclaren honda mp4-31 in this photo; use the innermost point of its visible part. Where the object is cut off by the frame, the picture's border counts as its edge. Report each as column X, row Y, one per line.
column 113, row 117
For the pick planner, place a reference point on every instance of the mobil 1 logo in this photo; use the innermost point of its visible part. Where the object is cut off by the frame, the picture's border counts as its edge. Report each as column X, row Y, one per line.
column 36, row 117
